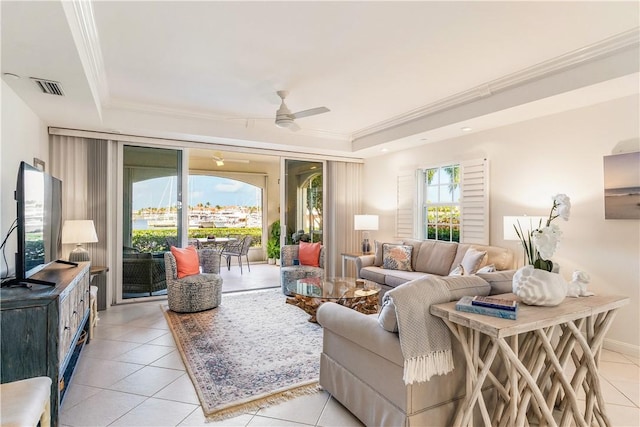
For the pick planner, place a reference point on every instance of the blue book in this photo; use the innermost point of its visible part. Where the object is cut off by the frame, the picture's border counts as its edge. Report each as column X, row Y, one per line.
column 465, row 305
column 493, row 302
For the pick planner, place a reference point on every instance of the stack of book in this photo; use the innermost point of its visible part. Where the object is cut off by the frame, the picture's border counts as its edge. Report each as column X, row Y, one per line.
column 490, row 306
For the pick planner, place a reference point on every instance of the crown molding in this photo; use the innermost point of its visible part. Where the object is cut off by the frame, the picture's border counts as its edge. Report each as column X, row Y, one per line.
column 625, row 40
column 79, row 14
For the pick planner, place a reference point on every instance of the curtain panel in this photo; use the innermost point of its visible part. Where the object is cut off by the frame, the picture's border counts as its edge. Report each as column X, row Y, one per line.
column 344, row 200
column 83, row 164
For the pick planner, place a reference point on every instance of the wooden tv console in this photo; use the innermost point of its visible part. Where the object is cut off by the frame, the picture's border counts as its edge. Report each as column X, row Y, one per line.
column 41, row 326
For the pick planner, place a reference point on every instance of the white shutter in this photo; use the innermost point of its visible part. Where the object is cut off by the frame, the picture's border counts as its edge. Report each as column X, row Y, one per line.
column 405, row 204
column 474, row 201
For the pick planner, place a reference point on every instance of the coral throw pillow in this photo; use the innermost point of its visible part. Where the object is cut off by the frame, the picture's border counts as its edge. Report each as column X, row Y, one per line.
column 187, row 261
column 309, row 254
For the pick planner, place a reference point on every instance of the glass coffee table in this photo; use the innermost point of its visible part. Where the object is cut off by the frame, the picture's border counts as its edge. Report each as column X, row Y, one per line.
column 357, row 294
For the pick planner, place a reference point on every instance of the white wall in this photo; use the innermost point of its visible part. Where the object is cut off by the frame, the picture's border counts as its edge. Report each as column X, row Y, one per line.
column 529, row 163
column 24, row 136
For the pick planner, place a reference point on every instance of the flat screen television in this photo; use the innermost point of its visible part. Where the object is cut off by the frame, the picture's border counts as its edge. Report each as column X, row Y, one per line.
column 39, row 204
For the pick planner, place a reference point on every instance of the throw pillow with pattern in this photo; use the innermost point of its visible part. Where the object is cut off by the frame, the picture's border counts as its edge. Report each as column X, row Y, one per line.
column 396, row 257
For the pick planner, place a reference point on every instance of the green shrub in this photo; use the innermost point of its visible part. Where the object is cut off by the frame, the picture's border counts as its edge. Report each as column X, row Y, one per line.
column 155, row 240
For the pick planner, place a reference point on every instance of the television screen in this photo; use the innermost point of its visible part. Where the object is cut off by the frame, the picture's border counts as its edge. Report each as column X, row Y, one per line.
column 39, row 200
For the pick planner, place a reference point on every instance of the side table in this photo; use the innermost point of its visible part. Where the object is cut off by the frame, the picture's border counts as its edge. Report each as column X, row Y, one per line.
column 98, row 270
column 349, row 256
column 534, row 352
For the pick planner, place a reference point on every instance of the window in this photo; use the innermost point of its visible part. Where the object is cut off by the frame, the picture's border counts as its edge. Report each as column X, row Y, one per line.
column 440, row 213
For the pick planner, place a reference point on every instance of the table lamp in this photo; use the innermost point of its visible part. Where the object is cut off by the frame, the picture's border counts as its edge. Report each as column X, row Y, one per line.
column 78, row 232
column 365, row 223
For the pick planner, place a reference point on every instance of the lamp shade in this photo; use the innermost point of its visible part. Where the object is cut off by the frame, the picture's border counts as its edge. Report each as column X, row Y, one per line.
column 79, row 231
column 365, row 222
column 524, row 222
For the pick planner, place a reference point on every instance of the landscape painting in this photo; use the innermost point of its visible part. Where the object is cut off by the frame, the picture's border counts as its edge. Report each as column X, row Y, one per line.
column 622, row 186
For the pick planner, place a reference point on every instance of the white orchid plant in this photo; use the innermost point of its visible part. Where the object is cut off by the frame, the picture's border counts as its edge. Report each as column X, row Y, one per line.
column 540, row 244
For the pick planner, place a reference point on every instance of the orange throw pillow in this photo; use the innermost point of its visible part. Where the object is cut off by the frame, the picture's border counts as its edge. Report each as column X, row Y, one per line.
column 309, row 254
column 187, row 261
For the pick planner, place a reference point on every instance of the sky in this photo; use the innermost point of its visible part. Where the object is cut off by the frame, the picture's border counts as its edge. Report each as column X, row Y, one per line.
column 622, row 170
column 202, row 189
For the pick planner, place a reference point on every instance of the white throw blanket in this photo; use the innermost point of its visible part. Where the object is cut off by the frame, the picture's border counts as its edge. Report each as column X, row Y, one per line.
column 424, row 339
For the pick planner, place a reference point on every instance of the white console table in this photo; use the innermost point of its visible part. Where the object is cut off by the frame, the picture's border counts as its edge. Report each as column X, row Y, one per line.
column 530, row 357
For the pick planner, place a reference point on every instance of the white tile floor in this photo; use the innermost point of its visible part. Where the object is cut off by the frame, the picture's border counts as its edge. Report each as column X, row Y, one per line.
column 132, row 375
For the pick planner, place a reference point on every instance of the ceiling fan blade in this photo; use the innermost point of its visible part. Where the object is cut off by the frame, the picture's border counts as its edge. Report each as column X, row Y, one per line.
column 293, row 127
column 311, row 112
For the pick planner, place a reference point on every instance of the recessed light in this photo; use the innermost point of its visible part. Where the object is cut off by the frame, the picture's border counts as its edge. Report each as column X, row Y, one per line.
column 466, row 129
column 11, row 76
column 384, row 150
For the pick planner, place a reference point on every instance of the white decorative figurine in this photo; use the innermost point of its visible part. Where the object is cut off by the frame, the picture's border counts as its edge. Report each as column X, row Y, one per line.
column 578, row 285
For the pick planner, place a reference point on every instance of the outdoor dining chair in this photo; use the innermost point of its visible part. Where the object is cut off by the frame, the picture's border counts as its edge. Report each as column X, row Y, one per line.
column 238, row 248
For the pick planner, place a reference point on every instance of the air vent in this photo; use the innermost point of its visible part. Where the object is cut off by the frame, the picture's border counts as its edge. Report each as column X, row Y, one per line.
column 49, row 86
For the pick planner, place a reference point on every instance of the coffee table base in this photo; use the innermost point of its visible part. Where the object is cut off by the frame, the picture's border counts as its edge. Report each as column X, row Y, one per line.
column 365, row 304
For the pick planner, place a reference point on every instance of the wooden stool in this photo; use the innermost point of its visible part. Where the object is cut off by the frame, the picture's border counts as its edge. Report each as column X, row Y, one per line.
column 26, row 402
column 93, row 312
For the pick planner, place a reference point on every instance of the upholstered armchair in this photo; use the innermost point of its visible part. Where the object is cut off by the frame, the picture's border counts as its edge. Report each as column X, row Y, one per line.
column 197, row 292
column 291, row 270
column 142, row 272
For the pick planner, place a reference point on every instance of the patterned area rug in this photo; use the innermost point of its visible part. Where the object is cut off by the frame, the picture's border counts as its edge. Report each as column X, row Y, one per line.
column 251, row 351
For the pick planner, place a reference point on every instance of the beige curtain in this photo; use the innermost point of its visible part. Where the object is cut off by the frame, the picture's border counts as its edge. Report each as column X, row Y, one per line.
column 83, row 166
column 344, row 200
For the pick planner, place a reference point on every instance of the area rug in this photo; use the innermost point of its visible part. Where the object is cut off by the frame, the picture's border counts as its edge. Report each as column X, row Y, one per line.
column 251, row 351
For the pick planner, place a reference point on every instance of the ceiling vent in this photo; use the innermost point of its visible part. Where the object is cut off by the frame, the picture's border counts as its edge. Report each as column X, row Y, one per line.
column 49, row 86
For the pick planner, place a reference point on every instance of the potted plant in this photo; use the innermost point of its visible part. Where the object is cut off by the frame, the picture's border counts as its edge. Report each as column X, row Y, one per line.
column 273, row 244
column 272, row 251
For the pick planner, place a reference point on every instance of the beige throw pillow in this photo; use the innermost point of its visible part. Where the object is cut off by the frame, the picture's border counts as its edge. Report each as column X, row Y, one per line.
column 472, row 260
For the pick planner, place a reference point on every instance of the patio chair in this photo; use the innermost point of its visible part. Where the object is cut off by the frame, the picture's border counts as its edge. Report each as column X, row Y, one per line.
column 142, row 272
column 238, row 248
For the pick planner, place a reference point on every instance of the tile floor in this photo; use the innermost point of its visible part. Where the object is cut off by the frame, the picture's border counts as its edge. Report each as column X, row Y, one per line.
column 132, row 375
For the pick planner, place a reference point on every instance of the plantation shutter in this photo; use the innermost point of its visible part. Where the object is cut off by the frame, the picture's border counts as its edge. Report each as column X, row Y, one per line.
column 474, row 201
column 406, row 183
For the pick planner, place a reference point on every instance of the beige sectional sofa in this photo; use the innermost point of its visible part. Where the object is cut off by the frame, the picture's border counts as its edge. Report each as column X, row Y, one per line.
column 438, row 258
column 361, row 364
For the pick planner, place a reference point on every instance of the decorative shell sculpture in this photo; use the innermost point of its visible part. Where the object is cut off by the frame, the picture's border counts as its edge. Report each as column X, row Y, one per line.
column 539, row 287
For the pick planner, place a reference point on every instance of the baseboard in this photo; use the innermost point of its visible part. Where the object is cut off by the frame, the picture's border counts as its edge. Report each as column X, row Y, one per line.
column 622, row 347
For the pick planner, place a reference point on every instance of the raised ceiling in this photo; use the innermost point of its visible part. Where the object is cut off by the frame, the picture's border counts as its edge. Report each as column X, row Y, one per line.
column 393, row 74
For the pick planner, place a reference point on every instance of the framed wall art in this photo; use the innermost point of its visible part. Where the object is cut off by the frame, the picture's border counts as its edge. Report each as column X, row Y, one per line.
column 622, row 186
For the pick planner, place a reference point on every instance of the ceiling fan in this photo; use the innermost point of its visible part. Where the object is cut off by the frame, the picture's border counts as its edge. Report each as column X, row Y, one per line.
column 286, row 119
column 219, row 159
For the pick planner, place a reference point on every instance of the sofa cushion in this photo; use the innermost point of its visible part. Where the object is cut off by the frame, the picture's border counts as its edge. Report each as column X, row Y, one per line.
column 460, row 286
column 187, row 261
column 397, row 278
column 502, row 258
column 436, row 257
column 396, row 257
column 373, row 273
column 501, row 282
column 415, row 243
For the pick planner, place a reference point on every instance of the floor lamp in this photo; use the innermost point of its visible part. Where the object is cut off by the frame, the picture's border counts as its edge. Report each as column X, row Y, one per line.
column 365, row 223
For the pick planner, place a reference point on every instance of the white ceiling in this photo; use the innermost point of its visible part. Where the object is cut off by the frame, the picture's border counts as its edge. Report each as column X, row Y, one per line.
column 392, row 73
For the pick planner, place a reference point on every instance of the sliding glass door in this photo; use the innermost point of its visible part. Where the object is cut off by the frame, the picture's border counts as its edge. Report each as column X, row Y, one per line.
column 302, row 197
column 151, row 218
